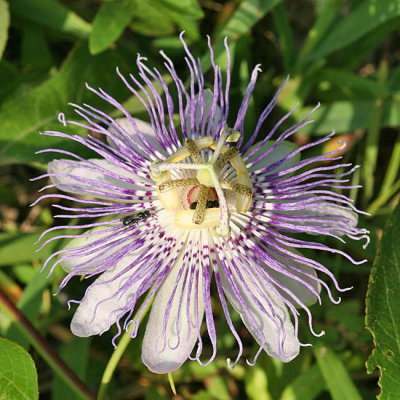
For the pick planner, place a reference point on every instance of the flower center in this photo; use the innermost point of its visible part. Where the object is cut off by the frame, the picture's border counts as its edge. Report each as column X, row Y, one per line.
column 200, row 197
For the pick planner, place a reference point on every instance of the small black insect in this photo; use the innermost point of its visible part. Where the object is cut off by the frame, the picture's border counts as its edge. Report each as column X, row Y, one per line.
column 136, row 218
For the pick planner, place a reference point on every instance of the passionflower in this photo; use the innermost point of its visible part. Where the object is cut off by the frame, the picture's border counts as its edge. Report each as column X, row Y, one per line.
column 190, row 198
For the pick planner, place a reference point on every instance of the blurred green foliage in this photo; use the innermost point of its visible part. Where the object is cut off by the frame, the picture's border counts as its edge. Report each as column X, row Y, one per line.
column 342, row 53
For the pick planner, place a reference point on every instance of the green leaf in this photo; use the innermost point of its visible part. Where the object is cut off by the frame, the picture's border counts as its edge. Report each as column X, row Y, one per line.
column 24, row 273
column 29, row 304
column 184, row 13
column 383, row 303
column 345, row 116
column 256, row 384
column 306, row 386
column 201, row 395
column 109, row 23
column 9, row 79
column 357, row 54
column 245, row 17
column 35, row 50
column 350, row 84
column 18, row 376
column 285, row 33
column 51, row 14
column 151, row 19
column 184, row 23
column 190, row 8
column 24, row 115
column 18, row 248
column 4, row 23
column 217, row 388
column 336, row 377
column 366, row 17
column 330, row 9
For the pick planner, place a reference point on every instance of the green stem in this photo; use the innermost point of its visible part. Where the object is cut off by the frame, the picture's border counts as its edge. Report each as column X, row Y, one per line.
column 117, row 354
column 46, row 352
column 355, row 181
column 393, row 168
column 371, row 148
column 381, row 200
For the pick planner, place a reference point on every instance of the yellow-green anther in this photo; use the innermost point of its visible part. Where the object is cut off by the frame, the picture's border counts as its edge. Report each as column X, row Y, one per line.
column 193, row 150
column 237, row 187
column 224, row 135
column 169, row 185
column 233, row 136
column 228, row 155
column 198, row 216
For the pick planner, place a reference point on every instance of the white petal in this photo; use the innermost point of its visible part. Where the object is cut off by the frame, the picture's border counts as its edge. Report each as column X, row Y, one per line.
column 171, row 359
column 304, row 294
column 143, row 127
column 267, row 323
column 279, row 153
column 83, row 324
column 83, row 169
column 71, row 263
